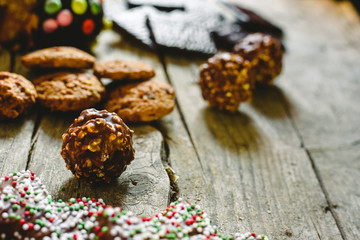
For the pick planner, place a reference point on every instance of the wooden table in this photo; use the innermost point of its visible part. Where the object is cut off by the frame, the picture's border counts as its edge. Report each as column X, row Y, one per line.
column 287, row 164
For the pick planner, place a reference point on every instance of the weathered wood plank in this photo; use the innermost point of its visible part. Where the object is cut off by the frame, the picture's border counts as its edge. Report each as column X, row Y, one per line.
column 15, row 134
column 340, row 171
column 254, row 165
column 321, row 84
column 142, row 188
column 320, row 77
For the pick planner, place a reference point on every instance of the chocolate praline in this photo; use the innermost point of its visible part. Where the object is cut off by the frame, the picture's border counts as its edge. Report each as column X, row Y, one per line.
column 97, row 146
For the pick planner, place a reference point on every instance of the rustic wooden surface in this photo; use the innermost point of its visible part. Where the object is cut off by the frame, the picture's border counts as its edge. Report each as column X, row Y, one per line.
column 287, row 164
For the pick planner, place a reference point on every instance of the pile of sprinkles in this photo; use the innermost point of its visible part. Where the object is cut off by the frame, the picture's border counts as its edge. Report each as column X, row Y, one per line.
column 27, row 211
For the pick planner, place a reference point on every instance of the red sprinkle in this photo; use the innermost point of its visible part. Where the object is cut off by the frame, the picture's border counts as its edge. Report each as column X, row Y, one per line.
column 32, row 173
column 93, row 200
column 88, row 26
column 51, row 220
column 97, row 228
column 26, row 213
column 32, row 177
column 78, row 200
column 22, row 221
column 75, row 237
column 31, row 225
column 23, row 204
column 14, row 183
column 26, row 188
column 97, row 203
column 90, row 213
column 167, row 231
column 128, row 222
column 189, row 221
column 253, row 234
column 7, row 178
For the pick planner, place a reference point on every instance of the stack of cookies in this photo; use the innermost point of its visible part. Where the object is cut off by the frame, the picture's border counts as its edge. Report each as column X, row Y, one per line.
column 68, row 87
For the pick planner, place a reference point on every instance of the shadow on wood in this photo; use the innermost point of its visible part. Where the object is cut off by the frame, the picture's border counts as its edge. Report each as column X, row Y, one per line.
column 270, row 101
column 231, row 130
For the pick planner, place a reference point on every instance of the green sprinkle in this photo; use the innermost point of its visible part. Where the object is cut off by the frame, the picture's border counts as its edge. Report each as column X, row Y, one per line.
column 171, row 236
column 17, row 218
column 62, row 188
column 132, row 233
column 6, row 198
column 60, row 201
column 59, row 209
column 22, row 182
column 170, row 209
column 12, row 215
column 179, row 229
column 27, row 207
column 31, row 211
column 58, row 232
column 28, row 192
column 138, row 230
column 192, row 206
column 14, row 173
column 36, row 193
column 15, row 207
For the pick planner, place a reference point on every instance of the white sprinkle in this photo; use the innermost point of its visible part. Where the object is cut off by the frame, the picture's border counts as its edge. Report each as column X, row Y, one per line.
column 37, row 227
column 5, row 215
column 25, row 227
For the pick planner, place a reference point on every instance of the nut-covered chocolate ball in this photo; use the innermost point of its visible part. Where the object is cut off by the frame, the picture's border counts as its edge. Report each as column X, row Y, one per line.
column 265, row 55
column 226, row 81
column 97, row 146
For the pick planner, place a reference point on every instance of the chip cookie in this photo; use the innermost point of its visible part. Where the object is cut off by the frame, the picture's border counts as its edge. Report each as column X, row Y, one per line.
column 69, row 91
column 58, row 57
column 120, row 69
column 17, row 94
column 142, row 102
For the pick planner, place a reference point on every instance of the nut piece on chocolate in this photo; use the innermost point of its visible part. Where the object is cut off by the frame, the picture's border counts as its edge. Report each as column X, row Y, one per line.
column 97, row 146
column 265, row 55
column 69, row 91
column 58, row 57
column 142, row 102
column 17, row 94
column 119, row 70
column 226, row 80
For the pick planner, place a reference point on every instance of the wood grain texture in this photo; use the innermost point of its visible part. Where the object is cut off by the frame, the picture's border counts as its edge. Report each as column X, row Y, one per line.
column 15, row 134
column 261, row 180
column 321, row 79
column 340, row 171
column 321, row 70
